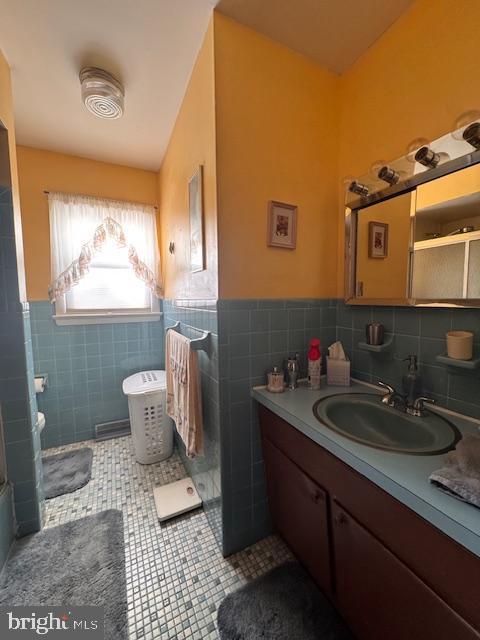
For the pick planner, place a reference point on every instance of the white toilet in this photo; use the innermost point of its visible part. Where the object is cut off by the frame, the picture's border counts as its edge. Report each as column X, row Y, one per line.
column 40, row 384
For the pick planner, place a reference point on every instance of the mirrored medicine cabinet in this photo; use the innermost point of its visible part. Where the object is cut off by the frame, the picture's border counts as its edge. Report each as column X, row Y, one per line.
column 418, row 244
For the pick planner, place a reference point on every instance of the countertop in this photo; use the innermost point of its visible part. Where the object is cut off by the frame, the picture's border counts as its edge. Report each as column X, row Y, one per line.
column 405, row 477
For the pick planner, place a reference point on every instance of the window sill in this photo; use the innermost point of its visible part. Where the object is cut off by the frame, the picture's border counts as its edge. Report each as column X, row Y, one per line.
column 105, row 318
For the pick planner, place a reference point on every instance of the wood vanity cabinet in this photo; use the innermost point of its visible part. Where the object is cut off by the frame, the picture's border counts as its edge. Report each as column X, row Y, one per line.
column 380, row 596
column 390, row 573
column 299, row 500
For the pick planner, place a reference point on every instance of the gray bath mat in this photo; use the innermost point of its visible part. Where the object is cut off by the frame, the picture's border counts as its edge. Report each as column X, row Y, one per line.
column 78, row 563
column 66, row 472
column 282, row 605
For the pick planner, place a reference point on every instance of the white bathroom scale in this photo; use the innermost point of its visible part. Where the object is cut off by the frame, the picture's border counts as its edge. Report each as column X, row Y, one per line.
column 173, row 499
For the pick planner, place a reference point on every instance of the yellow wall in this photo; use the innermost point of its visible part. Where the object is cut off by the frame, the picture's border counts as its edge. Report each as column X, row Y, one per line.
column 276, row 115
column 6, row 117
column 40, row 170
column 414, row 82
column 267, row 123
column 192, row 144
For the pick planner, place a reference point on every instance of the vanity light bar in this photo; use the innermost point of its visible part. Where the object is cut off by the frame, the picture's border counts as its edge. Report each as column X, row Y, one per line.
column 407, row 173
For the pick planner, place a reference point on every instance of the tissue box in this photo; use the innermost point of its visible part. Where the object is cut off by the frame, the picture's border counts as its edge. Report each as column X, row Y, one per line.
column 338, row 372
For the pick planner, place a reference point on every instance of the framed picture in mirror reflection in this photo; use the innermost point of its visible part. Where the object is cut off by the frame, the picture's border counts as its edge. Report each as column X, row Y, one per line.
column 377, row 240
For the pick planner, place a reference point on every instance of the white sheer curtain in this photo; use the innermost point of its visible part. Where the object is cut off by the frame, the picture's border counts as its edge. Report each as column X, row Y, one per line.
column 80, row 225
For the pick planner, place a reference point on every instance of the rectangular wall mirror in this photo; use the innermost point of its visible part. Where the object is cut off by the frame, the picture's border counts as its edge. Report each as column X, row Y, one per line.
column 420, row 247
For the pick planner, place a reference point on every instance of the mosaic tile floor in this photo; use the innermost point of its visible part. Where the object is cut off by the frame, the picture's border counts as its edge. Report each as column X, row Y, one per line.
column 176, row 575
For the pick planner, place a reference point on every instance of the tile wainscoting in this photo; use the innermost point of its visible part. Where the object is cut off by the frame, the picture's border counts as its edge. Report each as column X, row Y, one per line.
column 255, row 335
column 86, row 365
column 196, row 316
column 420, row 331
column 6, row 522
column 17, row 397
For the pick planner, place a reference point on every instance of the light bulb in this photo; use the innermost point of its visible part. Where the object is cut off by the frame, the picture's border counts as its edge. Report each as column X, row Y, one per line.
column 414, row 146
column 463, row 121
column 375, row 168
column 346, row 181
column 359, row 188
column 472, row 135
column 427, row 157
column 389, row 175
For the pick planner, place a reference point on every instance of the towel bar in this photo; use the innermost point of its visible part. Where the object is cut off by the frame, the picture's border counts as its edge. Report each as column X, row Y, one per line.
column 197, row 344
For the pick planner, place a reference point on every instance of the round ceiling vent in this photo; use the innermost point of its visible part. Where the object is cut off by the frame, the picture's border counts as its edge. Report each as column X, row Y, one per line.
column 102, row 94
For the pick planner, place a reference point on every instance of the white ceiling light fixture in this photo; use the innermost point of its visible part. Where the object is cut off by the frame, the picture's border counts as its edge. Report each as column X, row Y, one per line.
column 102, row 94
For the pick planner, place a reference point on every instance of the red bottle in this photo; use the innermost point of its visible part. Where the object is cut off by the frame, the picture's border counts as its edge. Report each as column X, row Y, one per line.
column 314, row 364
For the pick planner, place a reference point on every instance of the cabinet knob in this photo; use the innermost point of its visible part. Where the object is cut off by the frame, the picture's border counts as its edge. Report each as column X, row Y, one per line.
column 317, row 497
column 340, row 519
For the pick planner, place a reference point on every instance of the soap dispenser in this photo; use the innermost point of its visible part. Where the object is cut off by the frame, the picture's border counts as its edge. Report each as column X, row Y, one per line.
column 411, row 381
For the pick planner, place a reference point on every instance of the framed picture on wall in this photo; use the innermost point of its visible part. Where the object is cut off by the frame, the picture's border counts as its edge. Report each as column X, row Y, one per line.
column 195, row 207
column 282, row 225
column 377, row 240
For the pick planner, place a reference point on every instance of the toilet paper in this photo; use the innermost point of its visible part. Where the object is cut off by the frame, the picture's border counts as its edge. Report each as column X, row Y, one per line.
column 40, row 384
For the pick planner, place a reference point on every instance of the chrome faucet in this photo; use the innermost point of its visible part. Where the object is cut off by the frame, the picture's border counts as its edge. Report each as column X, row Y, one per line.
column 395, row 400
column 392, row 398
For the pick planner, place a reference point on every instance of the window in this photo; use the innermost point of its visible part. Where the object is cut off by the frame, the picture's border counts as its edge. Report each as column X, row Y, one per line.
column 110, row 284
column 104, row 260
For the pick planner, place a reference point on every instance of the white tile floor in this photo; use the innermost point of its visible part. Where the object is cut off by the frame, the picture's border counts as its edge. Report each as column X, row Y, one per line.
column 176, row 575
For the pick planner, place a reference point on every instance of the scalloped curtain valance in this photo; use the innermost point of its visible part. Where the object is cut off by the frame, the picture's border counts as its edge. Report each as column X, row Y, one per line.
column 81, row 225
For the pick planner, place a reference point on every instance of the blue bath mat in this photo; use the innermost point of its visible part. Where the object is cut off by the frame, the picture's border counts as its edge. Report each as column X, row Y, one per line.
column 66, row 472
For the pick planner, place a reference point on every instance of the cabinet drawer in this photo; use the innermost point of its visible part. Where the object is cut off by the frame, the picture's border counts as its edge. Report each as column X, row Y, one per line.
column 299, row 510
column 380, row 597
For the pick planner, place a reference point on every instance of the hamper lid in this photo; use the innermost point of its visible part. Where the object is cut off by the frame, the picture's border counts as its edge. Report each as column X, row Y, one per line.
column 144, row 382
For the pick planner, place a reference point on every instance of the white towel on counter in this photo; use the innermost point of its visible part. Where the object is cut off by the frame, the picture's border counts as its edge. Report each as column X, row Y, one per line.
column 184, row 403
column 460, row 477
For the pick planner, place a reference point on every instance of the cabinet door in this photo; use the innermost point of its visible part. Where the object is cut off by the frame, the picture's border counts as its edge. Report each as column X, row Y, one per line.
column 299, row 510
column 380, row 597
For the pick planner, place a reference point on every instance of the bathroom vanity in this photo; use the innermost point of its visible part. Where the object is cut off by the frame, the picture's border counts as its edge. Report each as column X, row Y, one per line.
column 399, row 558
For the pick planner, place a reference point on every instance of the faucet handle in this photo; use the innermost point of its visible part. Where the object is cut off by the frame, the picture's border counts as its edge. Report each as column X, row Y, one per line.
column 418, row 408
column 386, row 386
column 419, row 402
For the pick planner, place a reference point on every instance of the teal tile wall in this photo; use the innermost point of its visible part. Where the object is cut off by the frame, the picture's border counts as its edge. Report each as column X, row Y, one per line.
column 419, row 331
column 196, row 316
column 86, row 365
column 17, row 399
column 254, row 336
column 6, row 522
